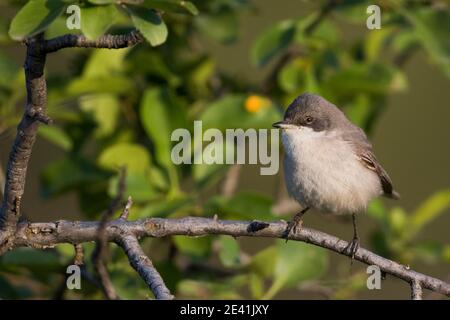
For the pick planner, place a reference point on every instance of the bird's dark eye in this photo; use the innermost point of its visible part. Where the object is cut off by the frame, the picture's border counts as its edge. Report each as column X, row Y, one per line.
column 309, row 120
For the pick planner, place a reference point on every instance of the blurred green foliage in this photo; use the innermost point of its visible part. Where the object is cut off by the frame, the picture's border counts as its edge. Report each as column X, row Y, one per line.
column 117, row 108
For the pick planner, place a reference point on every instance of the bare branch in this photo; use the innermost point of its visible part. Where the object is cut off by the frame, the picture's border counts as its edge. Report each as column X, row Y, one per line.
column 107, row 41
column 100, row 253
column 126, row 210
column 416, row 290
column 52, row 233
column 231, row 180
column 35, row 112
column 2, row 181
column 143, row 265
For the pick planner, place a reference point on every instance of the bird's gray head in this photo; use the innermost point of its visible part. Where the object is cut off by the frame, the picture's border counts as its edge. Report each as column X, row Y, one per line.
column 313, row 111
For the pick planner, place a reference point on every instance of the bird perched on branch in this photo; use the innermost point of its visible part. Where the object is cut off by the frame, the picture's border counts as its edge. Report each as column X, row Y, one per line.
column 329, row 164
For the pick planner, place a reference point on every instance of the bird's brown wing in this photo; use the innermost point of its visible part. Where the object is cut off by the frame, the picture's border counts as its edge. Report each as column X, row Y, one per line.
column 370, row 162
column 363, row 150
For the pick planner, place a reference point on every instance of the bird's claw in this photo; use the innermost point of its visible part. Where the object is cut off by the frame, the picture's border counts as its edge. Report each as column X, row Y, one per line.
column 352, row 248
column 292, row 227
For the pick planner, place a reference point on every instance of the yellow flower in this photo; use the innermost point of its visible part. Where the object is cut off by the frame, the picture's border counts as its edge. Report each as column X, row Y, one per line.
column 254, row 103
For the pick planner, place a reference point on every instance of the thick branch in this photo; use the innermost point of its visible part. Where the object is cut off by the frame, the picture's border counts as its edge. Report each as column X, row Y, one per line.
column 35, row 112
column 144, row 266
column 107, row 41
column 49, row 234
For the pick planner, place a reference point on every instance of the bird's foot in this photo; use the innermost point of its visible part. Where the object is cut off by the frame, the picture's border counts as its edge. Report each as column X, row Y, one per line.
column 352, row 248
column 292, row 227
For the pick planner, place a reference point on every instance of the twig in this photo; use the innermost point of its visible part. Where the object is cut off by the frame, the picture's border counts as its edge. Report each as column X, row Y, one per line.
column 101, row 250
column 107, row 41
column 324, row 11
column 416, row 290
column 79, row 255
column 231, row 180
column 2, row 181
column 52, row 233
column 143, row 265
column 293, row 52
column 126, row 210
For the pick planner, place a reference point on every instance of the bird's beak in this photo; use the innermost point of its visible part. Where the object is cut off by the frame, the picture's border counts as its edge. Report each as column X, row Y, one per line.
column 282, row 125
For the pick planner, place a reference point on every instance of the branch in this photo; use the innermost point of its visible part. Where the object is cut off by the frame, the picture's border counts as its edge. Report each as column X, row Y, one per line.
column 47, row 234
column 35, row 112
column 416, row 290
column 101, row 249
column 144, row 266
column 107, row 41
column 231, row 181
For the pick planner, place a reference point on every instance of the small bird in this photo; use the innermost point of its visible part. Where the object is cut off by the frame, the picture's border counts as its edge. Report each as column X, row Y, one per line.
column 329, row 163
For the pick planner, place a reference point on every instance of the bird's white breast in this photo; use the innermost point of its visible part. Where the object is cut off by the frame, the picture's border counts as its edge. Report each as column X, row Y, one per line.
column 322, row 172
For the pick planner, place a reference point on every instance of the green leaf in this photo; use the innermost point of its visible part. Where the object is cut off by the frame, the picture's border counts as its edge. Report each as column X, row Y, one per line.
column 104, row 63
column 161, row 113
column 263, row 263
column 150, row 24
column 373, row 79
column 8, row 69
column 31, row 259
column 248, row 205
column 222, row 26
column 432, row 28
column 164, row 207
column 296, row 262
column 97, row 19
column 256, row 284
column 271, row 42
column 398, row 220
column 104, row 109
column 360, row 110
column 134, row 157
column 35, row 17
column 353, row 11
column 292, row 76
column 429, row 210
column 233, row 111
column 59, row 27
column 377, row 210
column 195, row 247
column 65, row 174
column 57, row 136
column 374, row 43
column 113, row 85
column 207, row 174
column 229, row 253
column 178, row 6
column 138, row 186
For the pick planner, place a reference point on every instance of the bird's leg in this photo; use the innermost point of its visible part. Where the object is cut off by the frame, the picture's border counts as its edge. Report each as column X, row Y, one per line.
column 292, row 225
column 353, row 246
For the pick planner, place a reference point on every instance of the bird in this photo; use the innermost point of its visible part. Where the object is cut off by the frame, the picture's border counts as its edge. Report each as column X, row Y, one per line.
column 329, row 163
